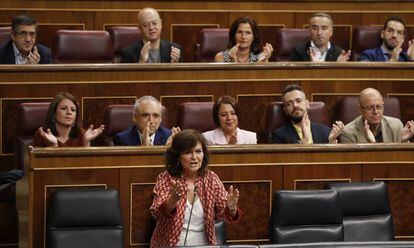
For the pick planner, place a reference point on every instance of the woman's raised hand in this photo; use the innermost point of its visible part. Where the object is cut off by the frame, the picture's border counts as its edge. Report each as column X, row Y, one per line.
column 48, row 137
column 266, row 53
column 91, row 133
column 232, row 199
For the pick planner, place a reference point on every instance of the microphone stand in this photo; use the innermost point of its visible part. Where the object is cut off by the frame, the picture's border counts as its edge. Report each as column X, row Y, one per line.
column 191, row 213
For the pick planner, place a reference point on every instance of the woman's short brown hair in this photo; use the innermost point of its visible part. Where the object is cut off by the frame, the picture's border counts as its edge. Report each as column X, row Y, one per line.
column 183, row 142
column 224, row 100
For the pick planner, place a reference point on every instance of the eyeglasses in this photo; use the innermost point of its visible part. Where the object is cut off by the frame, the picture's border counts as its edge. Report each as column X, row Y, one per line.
column 25, row 34
column 373, row 108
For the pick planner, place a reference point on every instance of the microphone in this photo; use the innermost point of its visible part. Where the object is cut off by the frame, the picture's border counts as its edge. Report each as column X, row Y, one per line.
column 191, row 213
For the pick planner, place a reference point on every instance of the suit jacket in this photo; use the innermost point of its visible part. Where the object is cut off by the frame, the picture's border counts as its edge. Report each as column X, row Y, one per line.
column 300, row 53
column 354, row 131
column 376, row 54
column 132, row 53
column 130, row 137
column 287, row 134
column 217, row 137
column 7, row 54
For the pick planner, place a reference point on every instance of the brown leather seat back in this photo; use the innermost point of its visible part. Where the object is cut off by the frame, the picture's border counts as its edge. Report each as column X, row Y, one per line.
column 364, row 38
column 82, row 46
column 286, row 39
column 196, row 115
column 123, row 36
column 212, row 41
column 30, row 116
column 5, row 34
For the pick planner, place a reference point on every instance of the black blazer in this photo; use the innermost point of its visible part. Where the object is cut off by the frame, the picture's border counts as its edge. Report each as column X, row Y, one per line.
column 300, row 53
column 130, row 137
column 287, row 134
column 7, row 54
column 131, row 53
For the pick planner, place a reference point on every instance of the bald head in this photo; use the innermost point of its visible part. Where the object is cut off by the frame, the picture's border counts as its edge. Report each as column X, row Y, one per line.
column 147, row 11
column 150, row 24
column 371, row 106
column 368, row 95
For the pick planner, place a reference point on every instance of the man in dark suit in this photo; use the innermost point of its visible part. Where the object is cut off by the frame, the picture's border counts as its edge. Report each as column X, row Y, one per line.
column 392, row 36
column 147, row 131
column 22, row 48
column 320, row 48
column 299, row 129
column 151, row 48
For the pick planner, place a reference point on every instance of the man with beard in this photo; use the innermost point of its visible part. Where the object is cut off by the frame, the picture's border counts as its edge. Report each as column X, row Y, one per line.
column 22, row 48
column 392, row 36
column 151, row 48
column 320, row 48
column 300, row 129
column 372, row 126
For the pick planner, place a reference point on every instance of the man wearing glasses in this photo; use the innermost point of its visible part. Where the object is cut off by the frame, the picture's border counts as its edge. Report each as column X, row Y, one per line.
column 22, row 48
column 372, row 126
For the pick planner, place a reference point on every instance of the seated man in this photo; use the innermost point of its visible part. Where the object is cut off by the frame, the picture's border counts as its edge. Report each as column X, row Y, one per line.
column 22, row 48
column 299, row 129
column 151, row 48
column 392, row 36
column 372, row 126
column 320, row 48
column 147, row 131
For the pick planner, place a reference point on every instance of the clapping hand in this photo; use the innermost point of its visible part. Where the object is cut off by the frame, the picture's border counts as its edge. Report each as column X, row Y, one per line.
column 368, row 133
column 395, row 53
column 48, row 137
column 174, row 131
column 91, row 133
column 145, row 139
column 266, row 53
column 408, row 131
column 232, row 199
column 175, row 54
column 143, row 57
column 33, row 57
column 233, row 53
column 337, row 128
column 344, row 56
column 305, row 126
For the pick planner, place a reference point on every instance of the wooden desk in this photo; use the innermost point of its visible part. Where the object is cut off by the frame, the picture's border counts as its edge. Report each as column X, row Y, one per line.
column 258, row 171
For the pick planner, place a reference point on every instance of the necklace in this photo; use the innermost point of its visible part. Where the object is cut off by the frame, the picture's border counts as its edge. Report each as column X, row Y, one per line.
column 242, row 61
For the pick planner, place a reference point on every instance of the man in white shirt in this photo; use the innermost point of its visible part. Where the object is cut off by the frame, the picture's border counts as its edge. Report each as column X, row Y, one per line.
column 320, row 48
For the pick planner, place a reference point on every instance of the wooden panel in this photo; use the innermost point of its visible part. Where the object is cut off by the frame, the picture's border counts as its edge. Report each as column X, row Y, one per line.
column 142, row 222
column 253, row 112
column 400, row 184
column 316, row 176
column 256, row 211
column 315, row 184
column 180, row 35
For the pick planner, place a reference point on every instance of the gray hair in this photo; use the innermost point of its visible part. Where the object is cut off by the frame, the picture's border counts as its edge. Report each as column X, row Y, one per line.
column 145, row 98
column 322, row 14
